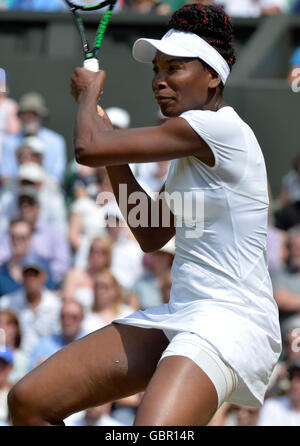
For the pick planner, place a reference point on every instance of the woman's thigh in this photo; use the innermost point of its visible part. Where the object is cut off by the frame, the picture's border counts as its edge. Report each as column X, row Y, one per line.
column 179, row 394
column 106, row 365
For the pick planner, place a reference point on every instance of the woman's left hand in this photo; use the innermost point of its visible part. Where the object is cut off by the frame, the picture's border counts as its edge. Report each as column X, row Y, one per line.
column 87, row 81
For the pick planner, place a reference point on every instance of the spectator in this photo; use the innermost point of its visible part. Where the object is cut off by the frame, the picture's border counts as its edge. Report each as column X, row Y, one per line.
column 20, row 233
column 277, row 243
column 286, row 282
column 294, row 69
column 296, row 7
column 290, row 185
column 9, row 121
column 148, row 287
column 86, row 216
column 32, row 111
column 6, row 365
column 125, row 410
column 5, row 4
column 127, row 256
column 291, row 353
column 166, row 284
column 36, row 307
column 277, row 251
column 31, row 151
column 38, row 5
column 71, row 318
column 247, row 416
column 252, row 8
column 11, row 278
column 79, row 282
column 81, row 181
column 108, row 302
column 10, row 324
column 48, row 242
column 284, row 410
column 50, row 197
column 142, row 6
column 96, row 416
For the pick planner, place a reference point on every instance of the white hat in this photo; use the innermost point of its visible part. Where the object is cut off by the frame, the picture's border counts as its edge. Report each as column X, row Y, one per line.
column 34, row 143
column 31, row 172
column 118, row 117
column 181, row 44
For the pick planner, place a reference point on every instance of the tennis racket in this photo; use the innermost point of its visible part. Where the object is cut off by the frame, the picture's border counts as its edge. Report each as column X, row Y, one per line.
column 91, row 61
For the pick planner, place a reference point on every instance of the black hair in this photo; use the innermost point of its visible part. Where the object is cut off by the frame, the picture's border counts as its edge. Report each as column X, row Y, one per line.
column 208, row 22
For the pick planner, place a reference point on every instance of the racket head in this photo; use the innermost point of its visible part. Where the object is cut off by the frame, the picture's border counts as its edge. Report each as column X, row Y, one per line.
column 88, row 5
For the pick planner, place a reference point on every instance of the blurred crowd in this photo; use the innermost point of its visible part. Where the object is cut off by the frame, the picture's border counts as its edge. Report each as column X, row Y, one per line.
column 235, row 8
column 69, row 264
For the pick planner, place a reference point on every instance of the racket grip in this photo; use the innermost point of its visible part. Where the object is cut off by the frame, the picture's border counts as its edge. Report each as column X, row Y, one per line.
column 91, row 64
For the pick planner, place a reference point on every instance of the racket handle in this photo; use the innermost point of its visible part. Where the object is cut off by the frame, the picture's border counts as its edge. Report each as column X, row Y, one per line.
column 91, row 64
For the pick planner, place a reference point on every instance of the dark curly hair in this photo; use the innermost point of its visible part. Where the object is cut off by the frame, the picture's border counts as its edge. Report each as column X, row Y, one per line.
column 210, row 23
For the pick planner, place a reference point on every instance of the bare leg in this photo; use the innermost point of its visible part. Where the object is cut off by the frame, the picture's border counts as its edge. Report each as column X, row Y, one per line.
column 179, row 394
column 106, row 365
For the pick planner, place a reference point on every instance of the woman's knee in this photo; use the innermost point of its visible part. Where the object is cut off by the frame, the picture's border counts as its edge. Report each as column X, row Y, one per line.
column 24, row 407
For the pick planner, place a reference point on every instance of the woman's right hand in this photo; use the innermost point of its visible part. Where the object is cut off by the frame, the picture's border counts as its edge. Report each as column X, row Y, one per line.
column 84, row 81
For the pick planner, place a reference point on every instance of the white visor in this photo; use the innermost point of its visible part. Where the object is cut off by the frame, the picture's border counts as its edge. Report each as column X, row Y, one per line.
column 181, row 44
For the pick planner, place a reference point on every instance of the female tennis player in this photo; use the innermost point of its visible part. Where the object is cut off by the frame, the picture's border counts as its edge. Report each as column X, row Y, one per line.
column 218, row 338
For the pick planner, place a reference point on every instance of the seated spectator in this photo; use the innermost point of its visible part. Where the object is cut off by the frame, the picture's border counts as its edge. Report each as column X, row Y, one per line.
column 288, row 217
column 11, row 277
column 294, row 68
column 142, row 6
column 95, row 416
column 5, row 4
column 290, row 185
column 166, row 284
column 82, row 181
column 286, row 282
column 48, row 242
column 252, row 8
column 13, row 336
column 36, row 307
column 86, row 216
column 6, row 365
column 32, row 111
column 284, row 410
column 31, row 150
column 9, row 121
column 38, row 5
column 127, row 256
column 50, row 197
column 279, row 382
column 125, row 410
column 108, row 302
column 79, row 282
column 158, row 263
column 71, row 318
column 296, row 7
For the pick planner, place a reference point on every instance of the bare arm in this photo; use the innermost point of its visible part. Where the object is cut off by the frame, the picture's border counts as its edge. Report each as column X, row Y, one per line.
column 97, row 144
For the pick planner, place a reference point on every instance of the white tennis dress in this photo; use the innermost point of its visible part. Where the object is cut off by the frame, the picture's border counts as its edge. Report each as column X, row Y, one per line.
column 221, row 288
